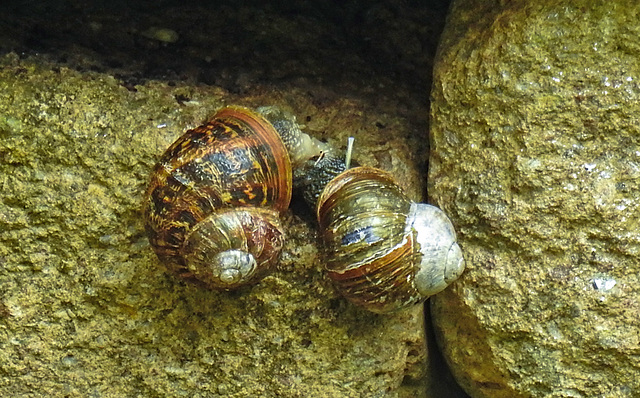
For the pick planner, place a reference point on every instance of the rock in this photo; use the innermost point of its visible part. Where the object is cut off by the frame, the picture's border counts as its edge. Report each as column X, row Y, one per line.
column 87, row 310
column 535, row 156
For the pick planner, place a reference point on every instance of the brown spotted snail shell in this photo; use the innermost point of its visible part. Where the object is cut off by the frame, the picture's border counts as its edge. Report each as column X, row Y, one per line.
column 384, row 251
column 213, row 205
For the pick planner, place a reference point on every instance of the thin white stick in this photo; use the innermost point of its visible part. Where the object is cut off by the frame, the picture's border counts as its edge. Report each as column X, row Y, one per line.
column 347, row 160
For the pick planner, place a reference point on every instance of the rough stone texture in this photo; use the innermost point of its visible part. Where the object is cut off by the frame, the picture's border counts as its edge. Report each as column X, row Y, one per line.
column 76, row 149
column 85, row 308
column 536, row 156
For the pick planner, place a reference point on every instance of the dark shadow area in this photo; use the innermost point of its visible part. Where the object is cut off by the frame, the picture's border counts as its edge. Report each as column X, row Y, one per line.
column 352, row 47
column 440, row 379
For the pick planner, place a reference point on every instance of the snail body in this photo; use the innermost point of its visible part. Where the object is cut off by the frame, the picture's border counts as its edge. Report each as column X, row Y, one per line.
column 213, row 205
column 212, row 212
column 384, row 252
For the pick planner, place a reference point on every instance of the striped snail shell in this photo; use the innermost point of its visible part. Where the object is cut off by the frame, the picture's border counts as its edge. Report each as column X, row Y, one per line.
column 214, row 199
column 384, row 252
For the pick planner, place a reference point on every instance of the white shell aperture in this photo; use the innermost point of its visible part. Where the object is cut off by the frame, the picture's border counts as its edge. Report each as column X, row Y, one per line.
column 442, row 260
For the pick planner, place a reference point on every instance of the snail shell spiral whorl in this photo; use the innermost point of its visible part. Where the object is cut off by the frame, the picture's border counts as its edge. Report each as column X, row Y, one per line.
column 213, row 203
column 384, row 252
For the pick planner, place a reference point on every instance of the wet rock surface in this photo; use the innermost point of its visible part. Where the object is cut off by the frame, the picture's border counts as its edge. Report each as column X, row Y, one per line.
column 535, row 153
